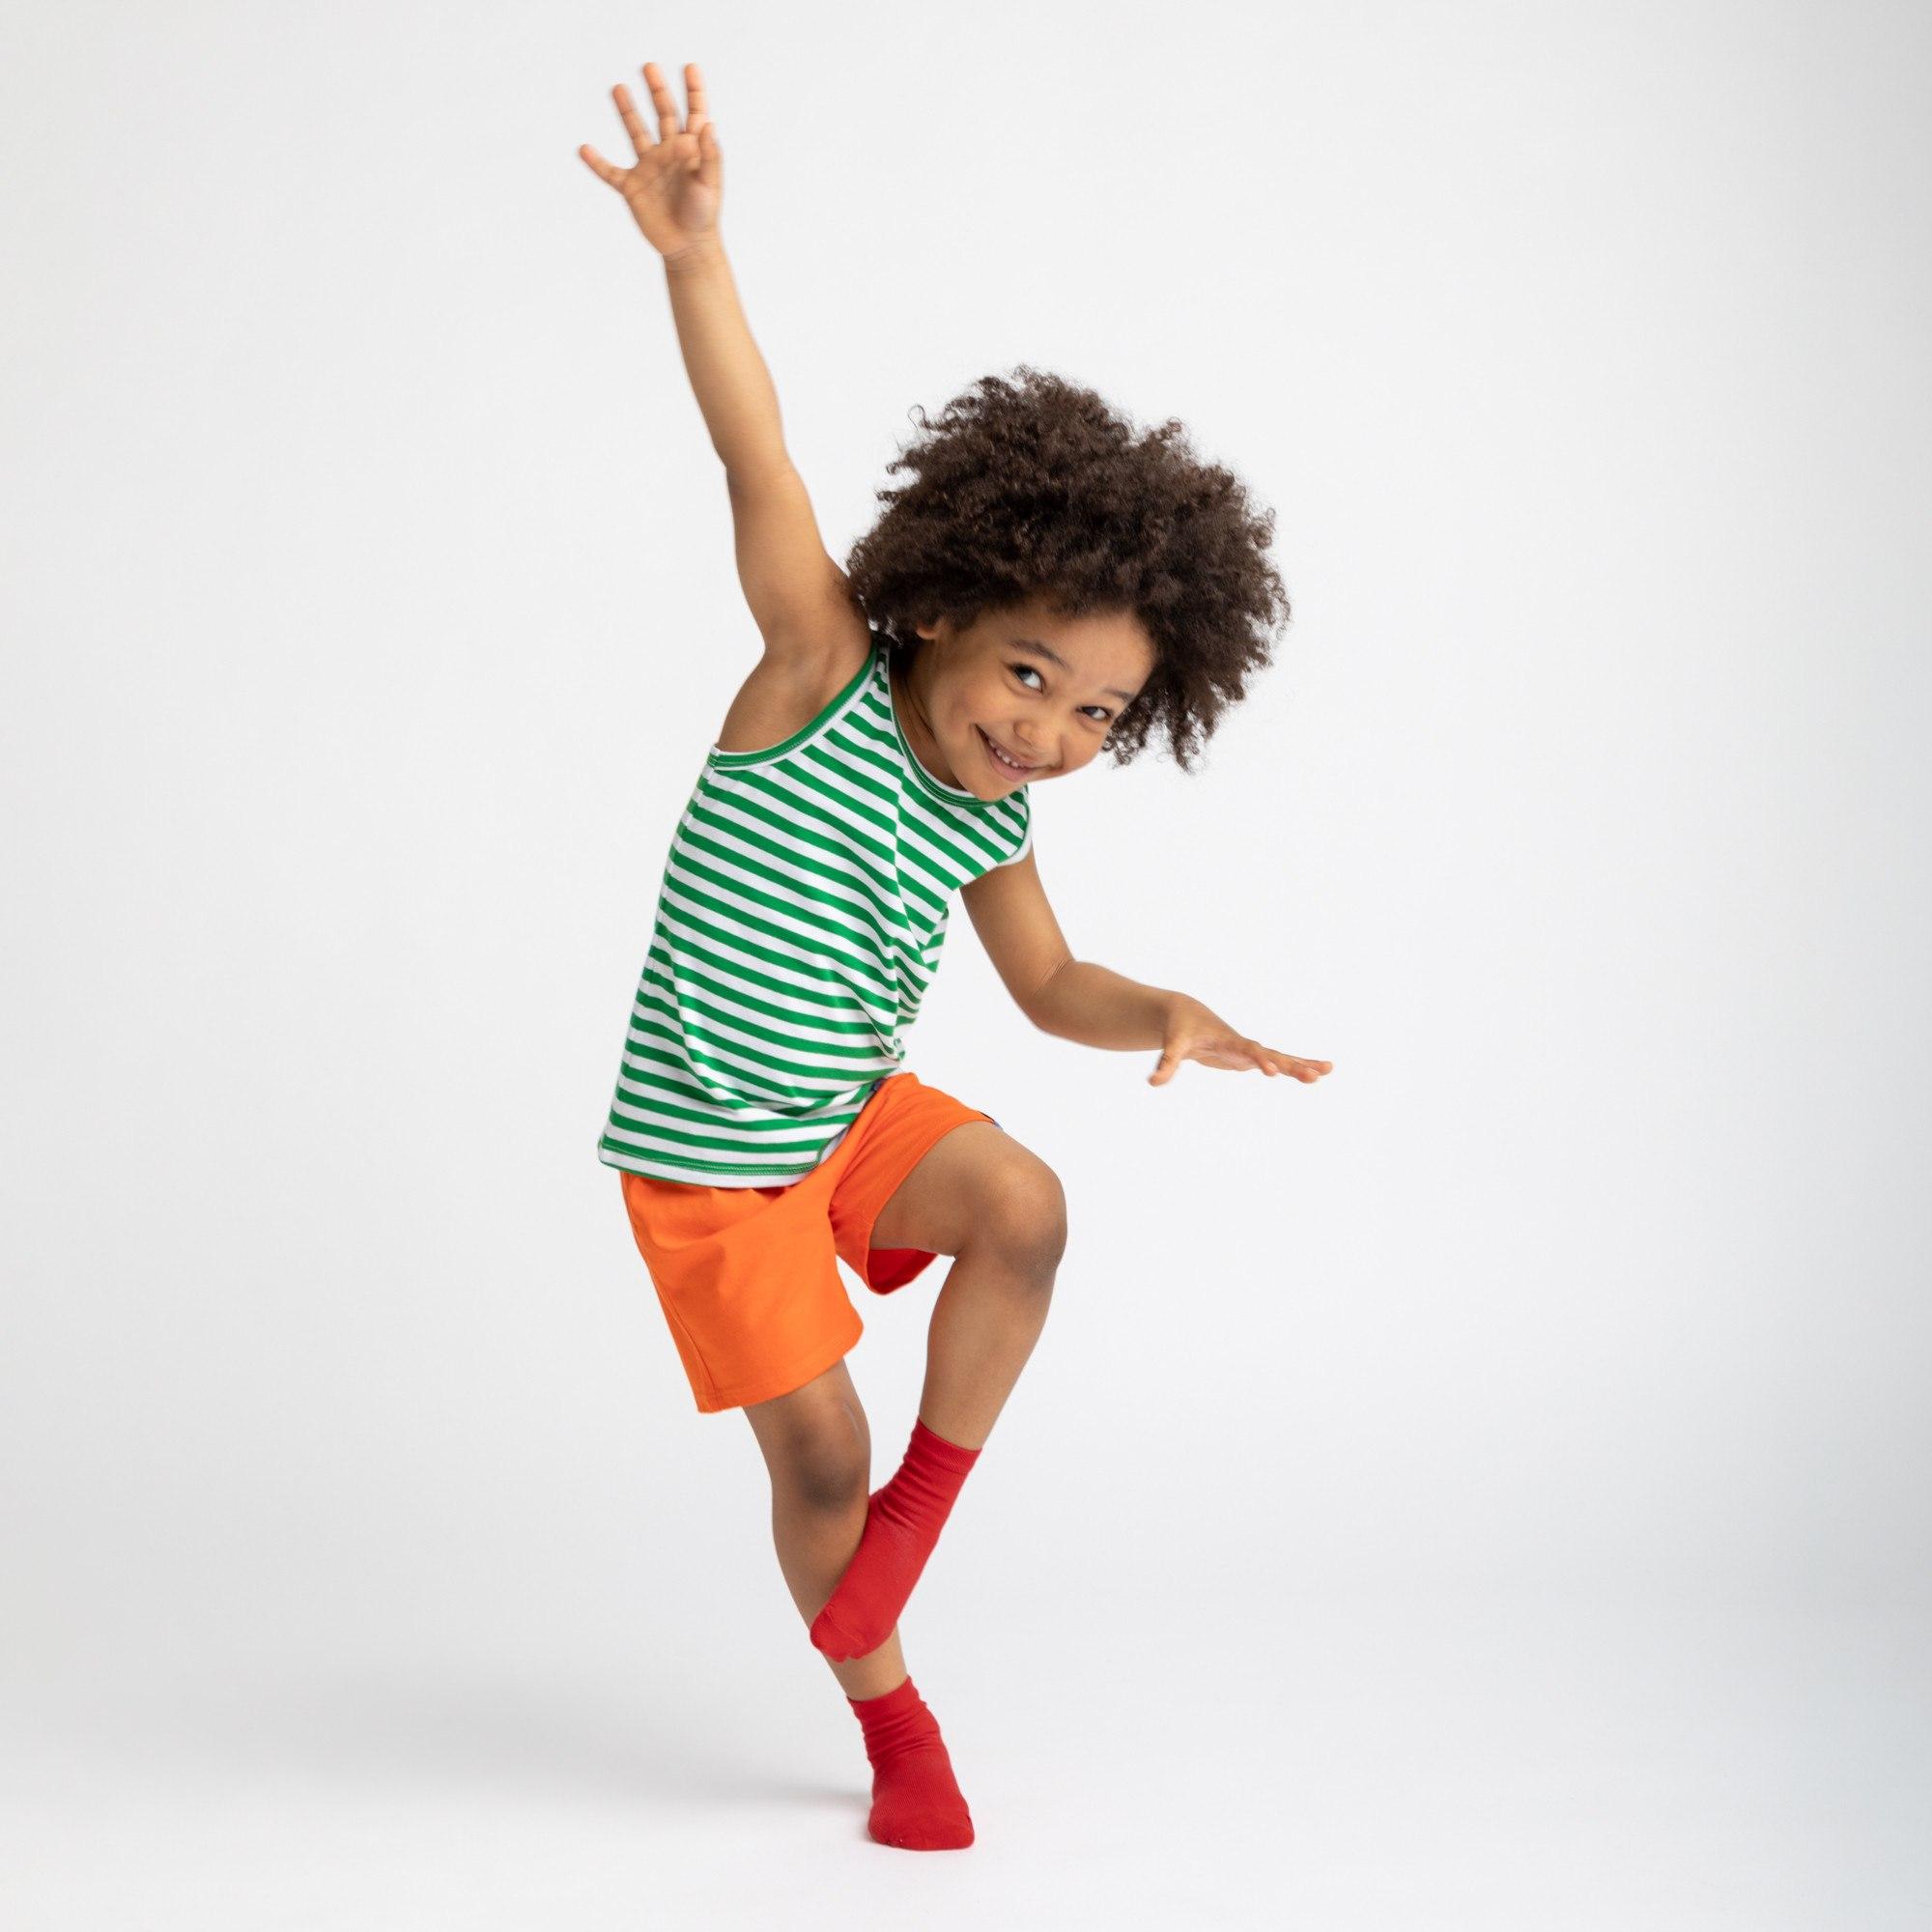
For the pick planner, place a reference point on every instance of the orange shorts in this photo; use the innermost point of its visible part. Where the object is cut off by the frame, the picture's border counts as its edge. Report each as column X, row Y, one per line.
column 747, row 1277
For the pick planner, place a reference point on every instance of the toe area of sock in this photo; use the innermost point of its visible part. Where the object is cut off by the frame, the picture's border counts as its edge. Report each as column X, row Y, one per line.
column 831, row 1641
column 931, row 1835
column 840, row 1643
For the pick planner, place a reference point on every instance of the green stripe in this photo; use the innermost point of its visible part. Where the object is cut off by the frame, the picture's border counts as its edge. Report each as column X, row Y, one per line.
column 836, row 860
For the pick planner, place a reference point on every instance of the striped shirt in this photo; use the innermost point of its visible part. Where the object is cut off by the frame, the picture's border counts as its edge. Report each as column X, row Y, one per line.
column 803, row 905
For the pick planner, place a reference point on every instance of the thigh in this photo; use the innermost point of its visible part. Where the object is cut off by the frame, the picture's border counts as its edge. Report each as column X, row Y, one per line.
column 977, row 1180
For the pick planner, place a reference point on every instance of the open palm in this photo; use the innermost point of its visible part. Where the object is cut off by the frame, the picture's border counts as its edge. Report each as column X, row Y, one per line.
column 678, row 181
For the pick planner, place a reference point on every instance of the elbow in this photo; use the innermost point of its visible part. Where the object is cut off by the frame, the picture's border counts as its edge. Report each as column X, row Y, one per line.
column 1037, row 1004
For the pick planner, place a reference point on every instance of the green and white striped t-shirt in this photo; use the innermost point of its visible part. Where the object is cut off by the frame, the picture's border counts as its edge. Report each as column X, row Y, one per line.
column 803, row 905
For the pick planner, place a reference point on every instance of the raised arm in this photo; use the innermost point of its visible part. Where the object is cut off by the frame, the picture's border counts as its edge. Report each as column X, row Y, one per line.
column 798, row 596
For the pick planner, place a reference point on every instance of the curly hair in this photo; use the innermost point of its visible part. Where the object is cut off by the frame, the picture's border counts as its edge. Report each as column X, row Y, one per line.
column 1038, row 488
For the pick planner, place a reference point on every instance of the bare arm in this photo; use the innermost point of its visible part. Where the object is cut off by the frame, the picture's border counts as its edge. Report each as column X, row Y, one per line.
column 796, row 593
column 1094, row 1006
column 798, row 596
column 1059, row 994
column 728, row 375
column 673, row 193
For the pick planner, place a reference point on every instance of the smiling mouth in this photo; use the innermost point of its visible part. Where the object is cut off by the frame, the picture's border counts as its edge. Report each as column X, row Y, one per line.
column 1000, row 762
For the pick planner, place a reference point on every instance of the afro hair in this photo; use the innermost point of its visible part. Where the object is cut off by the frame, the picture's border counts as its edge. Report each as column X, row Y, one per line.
column 1035, row 488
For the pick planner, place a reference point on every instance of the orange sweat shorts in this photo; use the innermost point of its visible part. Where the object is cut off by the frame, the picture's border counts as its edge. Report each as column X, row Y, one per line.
column 747, row 1277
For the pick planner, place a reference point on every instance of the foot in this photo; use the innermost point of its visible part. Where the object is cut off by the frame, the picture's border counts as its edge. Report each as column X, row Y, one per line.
column 917, row 1804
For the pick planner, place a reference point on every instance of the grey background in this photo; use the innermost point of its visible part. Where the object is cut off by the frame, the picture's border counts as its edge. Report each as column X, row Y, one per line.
column 1488, row 1489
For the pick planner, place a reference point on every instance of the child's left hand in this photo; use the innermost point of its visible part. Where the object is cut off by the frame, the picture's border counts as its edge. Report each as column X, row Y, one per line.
column 1194, row 1033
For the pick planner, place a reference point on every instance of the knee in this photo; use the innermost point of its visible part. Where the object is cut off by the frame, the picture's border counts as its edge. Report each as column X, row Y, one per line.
column 826, row 1465
column 1022, row 1215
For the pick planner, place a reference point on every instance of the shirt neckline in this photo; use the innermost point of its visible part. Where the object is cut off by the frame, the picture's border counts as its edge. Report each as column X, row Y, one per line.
column 952, row 795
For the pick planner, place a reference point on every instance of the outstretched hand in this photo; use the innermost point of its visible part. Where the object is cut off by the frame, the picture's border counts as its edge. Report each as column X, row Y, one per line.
column 674, row 190
column 1195, row 1033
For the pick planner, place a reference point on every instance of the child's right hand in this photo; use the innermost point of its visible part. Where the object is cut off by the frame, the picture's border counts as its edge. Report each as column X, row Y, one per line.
column 674, row 190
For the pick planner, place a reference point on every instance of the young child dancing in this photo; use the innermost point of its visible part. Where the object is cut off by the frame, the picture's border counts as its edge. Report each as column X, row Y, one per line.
column 1045, row 587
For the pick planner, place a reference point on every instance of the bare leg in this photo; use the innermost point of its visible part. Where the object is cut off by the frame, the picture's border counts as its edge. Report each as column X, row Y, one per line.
column 989, row 1315
column 978, row 1195
column 818, row 1448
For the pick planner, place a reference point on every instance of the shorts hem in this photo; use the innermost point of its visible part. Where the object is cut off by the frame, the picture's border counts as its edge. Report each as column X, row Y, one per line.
column 777, row 1381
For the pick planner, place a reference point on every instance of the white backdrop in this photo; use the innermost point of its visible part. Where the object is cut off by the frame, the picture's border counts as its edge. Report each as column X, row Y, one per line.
column 1489, row 1488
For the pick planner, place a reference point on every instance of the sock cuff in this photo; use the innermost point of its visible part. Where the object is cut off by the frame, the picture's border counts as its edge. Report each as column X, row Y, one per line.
column 896, row 1723
column 936, row 1446
column 887, row 1703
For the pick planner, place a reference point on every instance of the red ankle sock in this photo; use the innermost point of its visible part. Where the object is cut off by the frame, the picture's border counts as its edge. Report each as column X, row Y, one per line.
column 902, row 1522
column 916, row 1799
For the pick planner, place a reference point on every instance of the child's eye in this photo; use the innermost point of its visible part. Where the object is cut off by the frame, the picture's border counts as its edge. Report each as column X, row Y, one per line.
column 1035, row 669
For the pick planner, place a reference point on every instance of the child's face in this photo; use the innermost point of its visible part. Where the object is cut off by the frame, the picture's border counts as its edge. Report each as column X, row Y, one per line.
column 996, row 683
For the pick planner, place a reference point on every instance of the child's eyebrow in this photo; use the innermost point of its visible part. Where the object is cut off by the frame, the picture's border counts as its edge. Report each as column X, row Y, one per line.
column 1053, row 657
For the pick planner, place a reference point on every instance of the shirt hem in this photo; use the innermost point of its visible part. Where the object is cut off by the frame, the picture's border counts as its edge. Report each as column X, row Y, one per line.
column 736, row 1177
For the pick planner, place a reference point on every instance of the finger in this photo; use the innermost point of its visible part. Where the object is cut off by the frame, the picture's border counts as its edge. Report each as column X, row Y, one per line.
column 633, row 125
column 600, row 167
column 1164, row 1069
column 662, row 101
column 1303, row 1070
column 695, row 109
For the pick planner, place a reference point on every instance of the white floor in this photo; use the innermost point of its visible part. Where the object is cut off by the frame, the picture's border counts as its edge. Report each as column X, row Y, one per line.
column 1377, row 1766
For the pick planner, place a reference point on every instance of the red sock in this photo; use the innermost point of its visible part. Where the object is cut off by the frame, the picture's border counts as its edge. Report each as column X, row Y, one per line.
column 902, row 1522
column 916, row 1799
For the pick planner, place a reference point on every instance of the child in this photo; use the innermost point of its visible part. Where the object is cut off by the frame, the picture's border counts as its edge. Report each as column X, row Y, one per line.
column 1045, row 587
